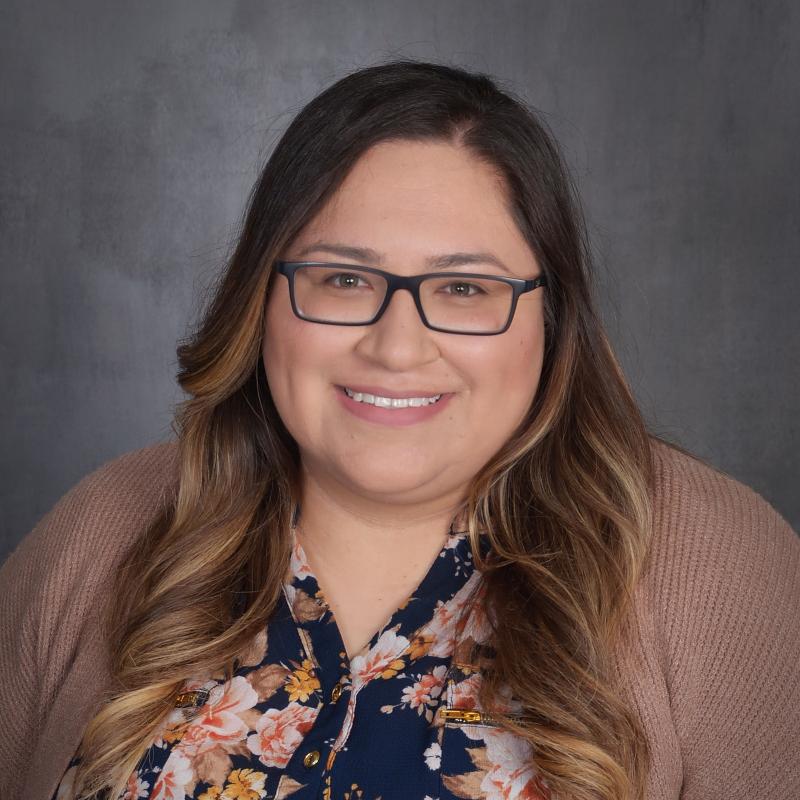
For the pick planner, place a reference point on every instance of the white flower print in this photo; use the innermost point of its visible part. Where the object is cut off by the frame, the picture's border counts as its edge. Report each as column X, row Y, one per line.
column 511, row 775
column 476, row 624
column 172, row 779
column 443, row 625
column 453, row 541
column 279, row 733
column 433, row 756
column 464, row 694
column 379, row 659
column 424, row 693
column 298, row 563
column 135, row 788
column 219, row 722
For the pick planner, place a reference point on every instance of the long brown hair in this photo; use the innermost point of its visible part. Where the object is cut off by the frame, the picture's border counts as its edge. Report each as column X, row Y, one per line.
column 565, row 502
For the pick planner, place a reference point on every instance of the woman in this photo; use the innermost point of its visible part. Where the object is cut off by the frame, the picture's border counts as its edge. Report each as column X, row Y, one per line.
column 413, row 539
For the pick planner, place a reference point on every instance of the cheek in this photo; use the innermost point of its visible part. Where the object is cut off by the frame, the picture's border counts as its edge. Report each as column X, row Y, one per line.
column 297, row 358
column 505, row 382
column 526, row 367
column 510, row 371
column 289, row 342
column 283, row 352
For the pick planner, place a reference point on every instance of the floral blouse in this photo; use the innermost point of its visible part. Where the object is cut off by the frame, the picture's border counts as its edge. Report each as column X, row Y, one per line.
column 298, row 719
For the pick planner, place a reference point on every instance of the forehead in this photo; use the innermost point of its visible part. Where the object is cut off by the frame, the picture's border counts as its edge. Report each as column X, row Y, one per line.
column 409, row 199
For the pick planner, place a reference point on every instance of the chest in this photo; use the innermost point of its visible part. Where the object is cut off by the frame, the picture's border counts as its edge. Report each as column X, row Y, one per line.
column 301, row 720
column 360, row 611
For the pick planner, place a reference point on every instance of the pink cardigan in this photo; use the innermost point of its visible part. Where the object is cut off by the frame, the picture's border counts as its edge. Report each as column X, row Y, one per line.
column 710, row 657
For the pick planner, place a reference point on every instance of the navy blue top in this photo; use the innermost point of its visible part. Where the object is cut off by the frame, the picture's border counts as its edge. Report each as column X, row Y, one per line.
column 398, row 721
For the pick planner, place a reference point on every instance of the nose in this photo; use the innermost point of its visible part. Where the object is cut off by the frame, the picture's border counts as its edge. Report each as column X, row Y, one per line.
column 399, row 340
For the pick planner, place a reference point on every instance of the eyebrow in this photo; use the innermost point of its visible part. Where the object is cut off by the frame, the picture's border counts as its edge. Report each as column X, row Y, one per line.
column 369, row 256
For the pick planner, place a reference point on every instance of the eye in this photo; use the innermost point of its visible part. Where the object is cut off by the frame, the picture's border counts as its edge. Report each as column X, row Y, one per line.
column 462, row 289
column 345, row 280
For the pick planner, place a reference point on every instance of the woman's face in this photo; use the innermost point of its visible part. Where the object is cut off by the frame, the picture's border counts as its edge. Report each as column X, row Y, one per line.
column 407, row 202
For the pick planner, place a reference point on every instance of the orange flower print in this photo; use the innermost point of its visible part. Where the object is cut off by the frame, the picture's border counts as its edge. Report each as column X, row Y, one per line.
column 465, row 693
column 476, row 625
column 175, row 723
column 219, row 722
column 212, row 793
column 381, row 661
column 174, row 734
column 420, row 644
column 393, row 668
column 135, row 787
column 244, row 784
column 443, row 624
column 509, row 774
column 424, row 693
column 302, row 682
column 512, row 775
column 279, row 733
column 172, row 779
column 298, row 563
column 355, row 793
column 304, row 607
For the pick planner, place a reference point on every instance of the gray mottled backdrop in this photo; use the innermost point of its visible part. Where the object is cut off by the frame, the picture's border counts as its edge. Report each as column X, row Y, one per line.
column 132, row 133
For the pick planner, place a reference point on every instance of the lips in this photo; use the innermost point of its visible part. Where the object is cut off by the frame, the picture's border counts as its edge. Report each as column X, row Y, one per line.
column 382, row 391
column 392, row 402
column 403, row 414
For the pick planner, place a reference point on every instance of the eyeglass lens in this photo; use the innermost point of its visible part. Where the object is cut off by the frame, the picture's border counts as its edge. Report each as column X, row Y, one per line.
column 332, row 294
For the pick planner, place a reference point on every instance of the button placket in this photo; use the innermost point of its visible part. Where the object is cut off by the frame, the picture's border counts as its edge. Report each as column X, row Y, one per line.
column 326, row 745
column 321, row 645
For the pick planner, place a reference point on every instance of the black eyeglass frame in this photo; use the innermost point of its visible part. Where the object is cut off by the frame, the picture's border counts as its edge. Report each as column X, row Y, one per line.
column 411, row 283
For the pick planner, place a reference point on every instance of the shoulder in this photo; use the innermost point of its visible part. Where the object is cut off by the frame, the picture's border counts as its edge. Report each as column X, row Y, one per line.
column 133, row 481
column 54, row 588
column 59, row 564
column 715, row 539
column 701, row 514
column 681, row 476
column 104, row 510
column 723, row 586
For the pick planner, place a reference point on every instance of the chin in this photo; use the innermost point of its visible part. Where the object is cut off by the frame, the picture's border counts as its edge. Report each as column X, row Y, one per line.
column 382, row 479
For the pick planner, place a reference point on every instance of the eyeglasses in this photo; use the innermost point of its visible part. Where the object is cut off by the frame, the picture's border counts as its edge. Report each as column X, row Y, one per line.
column 451, row 302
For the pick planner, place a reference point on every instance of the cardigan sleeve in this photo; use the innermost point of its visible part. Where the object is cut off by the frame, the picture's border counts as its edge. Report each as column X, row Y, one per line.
column 52, row 591
column 729, row 591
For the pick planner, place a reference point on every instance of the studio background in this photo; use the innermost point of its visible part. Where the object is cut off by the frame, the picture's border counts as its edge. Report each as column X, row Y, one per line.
column 132, row 134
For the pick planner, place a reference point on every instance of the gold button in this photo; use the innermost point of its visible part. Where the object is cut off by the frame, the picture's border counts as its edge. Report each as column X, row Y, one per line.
column 336, row 692
column 311, row 758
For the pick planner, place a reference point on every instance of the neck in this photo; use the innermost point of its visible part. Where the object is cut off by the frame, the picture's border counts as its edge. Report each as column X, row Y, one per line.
column 342, row 529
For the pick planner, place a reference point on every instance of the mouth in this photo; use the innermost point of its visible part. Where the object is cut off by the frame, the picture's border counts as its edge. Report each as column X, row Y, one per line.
column 378, row 405
column 384, row 401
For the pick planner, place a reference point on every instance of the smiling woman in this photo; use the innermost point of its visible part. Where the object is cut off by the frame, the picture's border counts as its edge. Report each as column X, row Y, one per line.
column 452, row 202
column 413, row 541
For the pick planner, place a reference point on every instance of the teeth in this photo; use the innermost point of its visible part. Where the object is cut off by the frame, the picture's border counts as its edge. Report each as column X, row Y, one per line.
column 391, row 402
